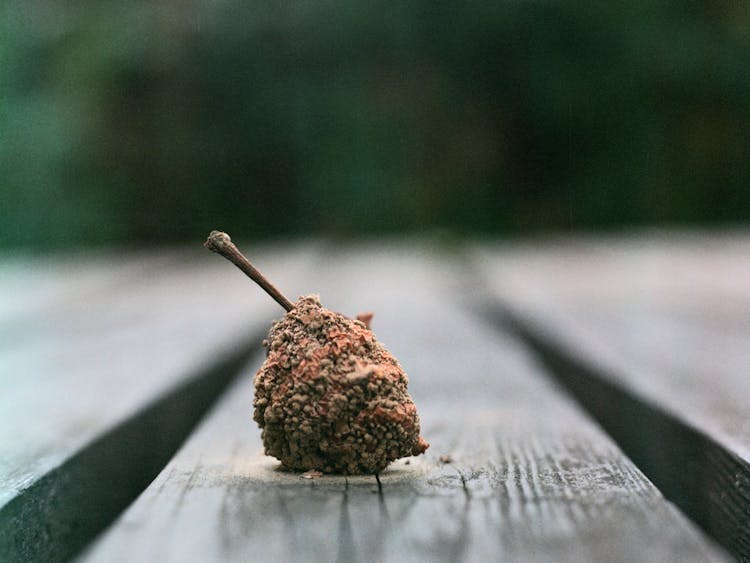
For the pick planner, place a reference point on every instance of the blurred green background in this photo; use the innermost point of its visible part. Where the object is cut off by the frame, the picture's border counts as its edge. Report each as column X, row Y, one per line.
column 131, row 122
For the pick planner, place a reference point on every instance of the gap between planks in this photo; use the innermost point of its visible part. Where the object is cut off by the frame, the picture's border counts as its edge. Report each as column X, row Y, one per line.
column 704, row 478
column 649, row 334
column 53, row 519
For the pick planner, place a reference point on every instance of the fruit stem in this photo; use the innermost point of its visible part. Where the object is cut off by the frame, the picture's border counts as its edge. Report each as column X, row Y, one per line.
column 220, row 243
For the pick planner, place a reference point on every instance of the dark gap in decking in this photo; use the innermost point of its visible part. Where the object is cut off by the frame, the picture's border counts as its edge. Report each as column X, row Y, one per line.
column 710, row 483
column 57, row 516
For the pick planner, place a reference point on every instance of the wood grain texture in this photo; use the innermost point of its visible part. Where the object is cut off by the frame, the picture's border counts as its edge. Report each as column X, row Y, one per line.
column 651, row 334
column 100, row 389
column 531, row 477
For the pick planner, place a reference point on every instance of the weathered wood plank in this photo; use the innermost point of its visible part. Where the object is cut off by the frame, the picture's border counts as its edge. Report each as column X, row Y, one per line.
column 531, row 477
column 31, row 287
column 101, row 388
column 651, row 334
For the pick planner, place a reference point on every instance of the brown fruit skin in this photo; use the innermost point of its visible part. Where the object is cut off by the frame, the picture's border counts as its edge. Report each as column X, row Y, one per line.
column 330, row 397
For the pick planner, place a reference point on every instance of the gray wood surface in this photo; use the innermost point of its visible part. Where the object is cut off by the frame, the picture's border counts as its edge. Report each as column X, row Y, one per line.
column 91, row 360
column 32, row 286
column 531, row 476
column 661, row 326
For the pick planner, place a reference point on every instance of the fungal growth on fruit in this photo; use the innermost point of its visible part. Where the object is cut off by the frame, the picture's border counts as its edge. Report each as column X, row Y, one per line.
column 329, row 397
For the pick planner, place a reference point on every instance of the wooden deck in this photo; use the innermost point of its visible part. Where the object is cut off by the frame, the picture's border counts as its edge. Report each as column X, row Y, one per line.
column 566, row 414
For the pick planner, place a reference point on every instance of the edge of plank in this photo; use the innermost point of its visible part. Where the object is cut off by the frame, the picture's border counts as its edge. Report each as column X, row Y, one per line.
column 65, row 509
column 706, row 480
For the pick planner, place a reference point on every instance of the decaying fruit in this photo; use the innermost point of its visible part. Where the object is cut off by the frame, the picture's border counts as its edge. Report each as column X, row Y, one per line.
column 329, row 396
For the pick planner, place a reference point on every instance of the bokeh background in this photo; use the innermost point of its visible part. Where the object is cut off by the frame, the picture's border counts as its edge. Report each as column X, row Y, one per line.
column 124, row 123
